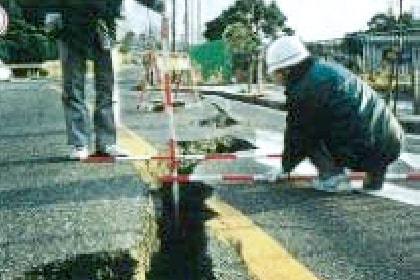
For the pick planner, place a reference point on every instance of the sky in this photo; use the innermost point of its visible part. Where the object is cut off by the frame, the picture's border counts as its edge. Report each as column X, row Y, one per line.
column 311, row 19
column 318, row 19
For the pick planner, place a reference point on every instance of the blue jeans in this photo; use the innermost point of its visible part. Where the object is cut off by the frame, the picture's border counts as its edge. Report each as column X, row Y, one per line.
column 73, row 57
column 327, row 167
column 322, row 159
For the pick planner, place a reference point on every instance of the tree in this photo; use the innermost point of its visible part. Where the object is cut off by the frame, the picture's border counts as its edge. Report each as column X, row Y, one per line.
column 242, row 40
column 127, row 42
column 255, row 14
column 243, row 26
column 156, row 5
column 274, row 21
column 381, row 22
column 384, row 23
column 24, row 41
column 352, row 46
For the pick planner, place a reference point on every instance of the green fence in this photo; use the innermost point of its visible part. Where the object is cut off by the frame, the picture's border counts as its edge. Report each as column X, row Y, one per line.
column 214, row 59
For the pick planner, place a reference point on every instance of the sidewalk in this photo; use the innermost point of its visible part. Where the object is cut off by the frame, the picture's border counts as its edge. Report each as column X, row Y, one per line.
column 273, row 97
column 60, row 215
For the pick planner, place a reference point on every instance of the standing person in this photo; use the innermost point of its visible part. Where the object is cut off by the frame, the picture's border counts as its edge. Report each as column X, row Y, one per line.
column 87, row 31
column 334, row 118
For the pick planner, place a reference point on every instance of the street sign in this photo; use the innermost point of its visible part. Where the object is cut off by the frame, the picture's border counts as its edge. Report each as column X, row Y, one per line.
column 4, row 20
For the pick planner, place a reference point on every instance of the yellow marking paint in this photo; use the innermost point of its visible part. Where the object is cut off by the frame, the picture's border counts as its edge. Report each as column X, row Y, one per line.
column 149, row 170
column 265, row 258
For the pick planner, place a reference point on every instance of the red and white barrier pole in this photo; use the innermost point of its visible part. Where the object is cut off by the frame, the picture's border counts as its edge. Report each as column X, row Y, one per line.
column 185, row 157
column 172, row 144
column 410, row 176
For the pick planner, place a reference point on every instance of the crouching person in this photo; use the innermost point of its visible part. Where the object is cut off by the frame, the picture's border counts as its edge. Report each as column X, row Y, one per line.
column 334, row 118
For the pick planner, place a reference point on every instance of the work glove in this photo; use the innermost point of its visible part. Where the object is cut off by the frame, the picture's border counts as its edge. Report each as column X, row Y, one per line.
column 53, row 24
column 104, row 34
column 275, row 174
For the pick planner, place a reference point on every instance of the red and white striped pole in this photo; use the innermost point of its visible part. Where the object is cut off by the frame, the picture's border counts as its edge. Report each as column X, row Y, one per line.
column 183, row 157
column 169, row 110
column 4, row 21
column 174, row 158
column 238, row 177
column 172, row 143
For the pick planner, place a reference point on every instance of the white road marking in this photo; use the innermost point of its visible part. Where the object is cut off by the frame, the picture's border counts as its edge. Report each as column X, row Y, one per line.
column 393, row 192
column 269, row 142
column 272, row 142
column 413, row 160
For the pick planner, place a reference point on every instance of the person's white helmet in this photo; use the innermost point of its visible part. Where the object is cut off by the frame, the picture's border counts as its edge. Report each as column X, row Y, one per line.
column 284, row 52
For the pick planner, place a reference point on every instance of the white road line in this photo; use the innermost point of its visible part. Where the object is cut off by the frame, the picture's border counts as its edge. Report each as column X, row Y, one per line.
column 268, row 141
column 394, row 192
column 412, row 160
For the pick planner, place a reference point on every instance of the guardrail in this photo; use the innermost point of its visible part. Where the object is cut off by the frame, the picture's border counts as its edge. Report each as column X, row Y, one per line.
column 53, row 68
column 26, row 66
column 32, row 69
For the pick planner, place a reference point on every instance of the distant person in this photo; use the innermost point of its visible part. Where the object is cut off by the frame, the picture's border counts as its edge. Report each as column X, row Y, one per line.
column 87, row 31
column 334, row 118
column 141, row 89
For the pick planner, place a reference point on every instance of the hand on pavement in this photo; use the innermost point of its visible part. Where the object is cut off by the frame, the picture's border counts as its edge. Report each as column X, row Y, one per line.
column 274, row 174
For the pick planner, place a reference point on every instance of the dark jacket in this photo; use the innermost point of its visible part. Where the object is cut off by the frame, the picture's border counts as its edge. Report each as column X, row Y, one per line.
column 80, row 21
column 79, row 16
column 328, row 103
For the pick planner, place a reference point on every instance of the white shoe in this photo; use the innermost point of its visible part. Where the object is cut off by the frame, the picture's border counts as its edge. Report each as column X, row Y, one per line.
column 112, row 151
column 79, row 153
column 336, row 183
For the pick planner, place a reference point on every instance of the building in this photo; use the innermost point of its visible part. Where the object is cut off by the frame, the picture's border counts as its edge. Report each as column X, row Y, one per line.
column 378, row 47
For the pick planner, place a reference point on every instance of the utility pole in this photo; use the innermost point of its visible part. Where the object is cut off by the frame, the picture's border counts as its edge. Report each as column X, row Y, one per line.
column 399, row 57
column 260, row 57
column 198, row 21
column 192, row 22
column 173, row 25
column 187, row 26
column 416, row 60
column 164, row 28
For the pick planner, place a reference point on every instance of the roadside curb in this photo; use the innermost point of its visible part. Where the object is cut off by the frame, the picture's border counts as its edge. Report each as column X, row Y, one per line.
column 411, row 123
column 250, row 99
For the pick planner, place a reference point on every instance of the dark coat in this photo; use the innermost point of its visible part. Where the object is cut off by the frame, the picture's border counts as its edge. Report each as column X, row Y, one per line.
column 81, row 21
column 80, row 17
column 328, row 103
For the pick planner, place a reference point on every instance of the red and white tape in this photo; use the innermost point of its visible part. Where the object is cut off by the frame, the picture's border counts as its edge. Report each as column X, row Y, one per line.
column 177, row 157
column 410, row 176
column 4, row 20
column 185, row 157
